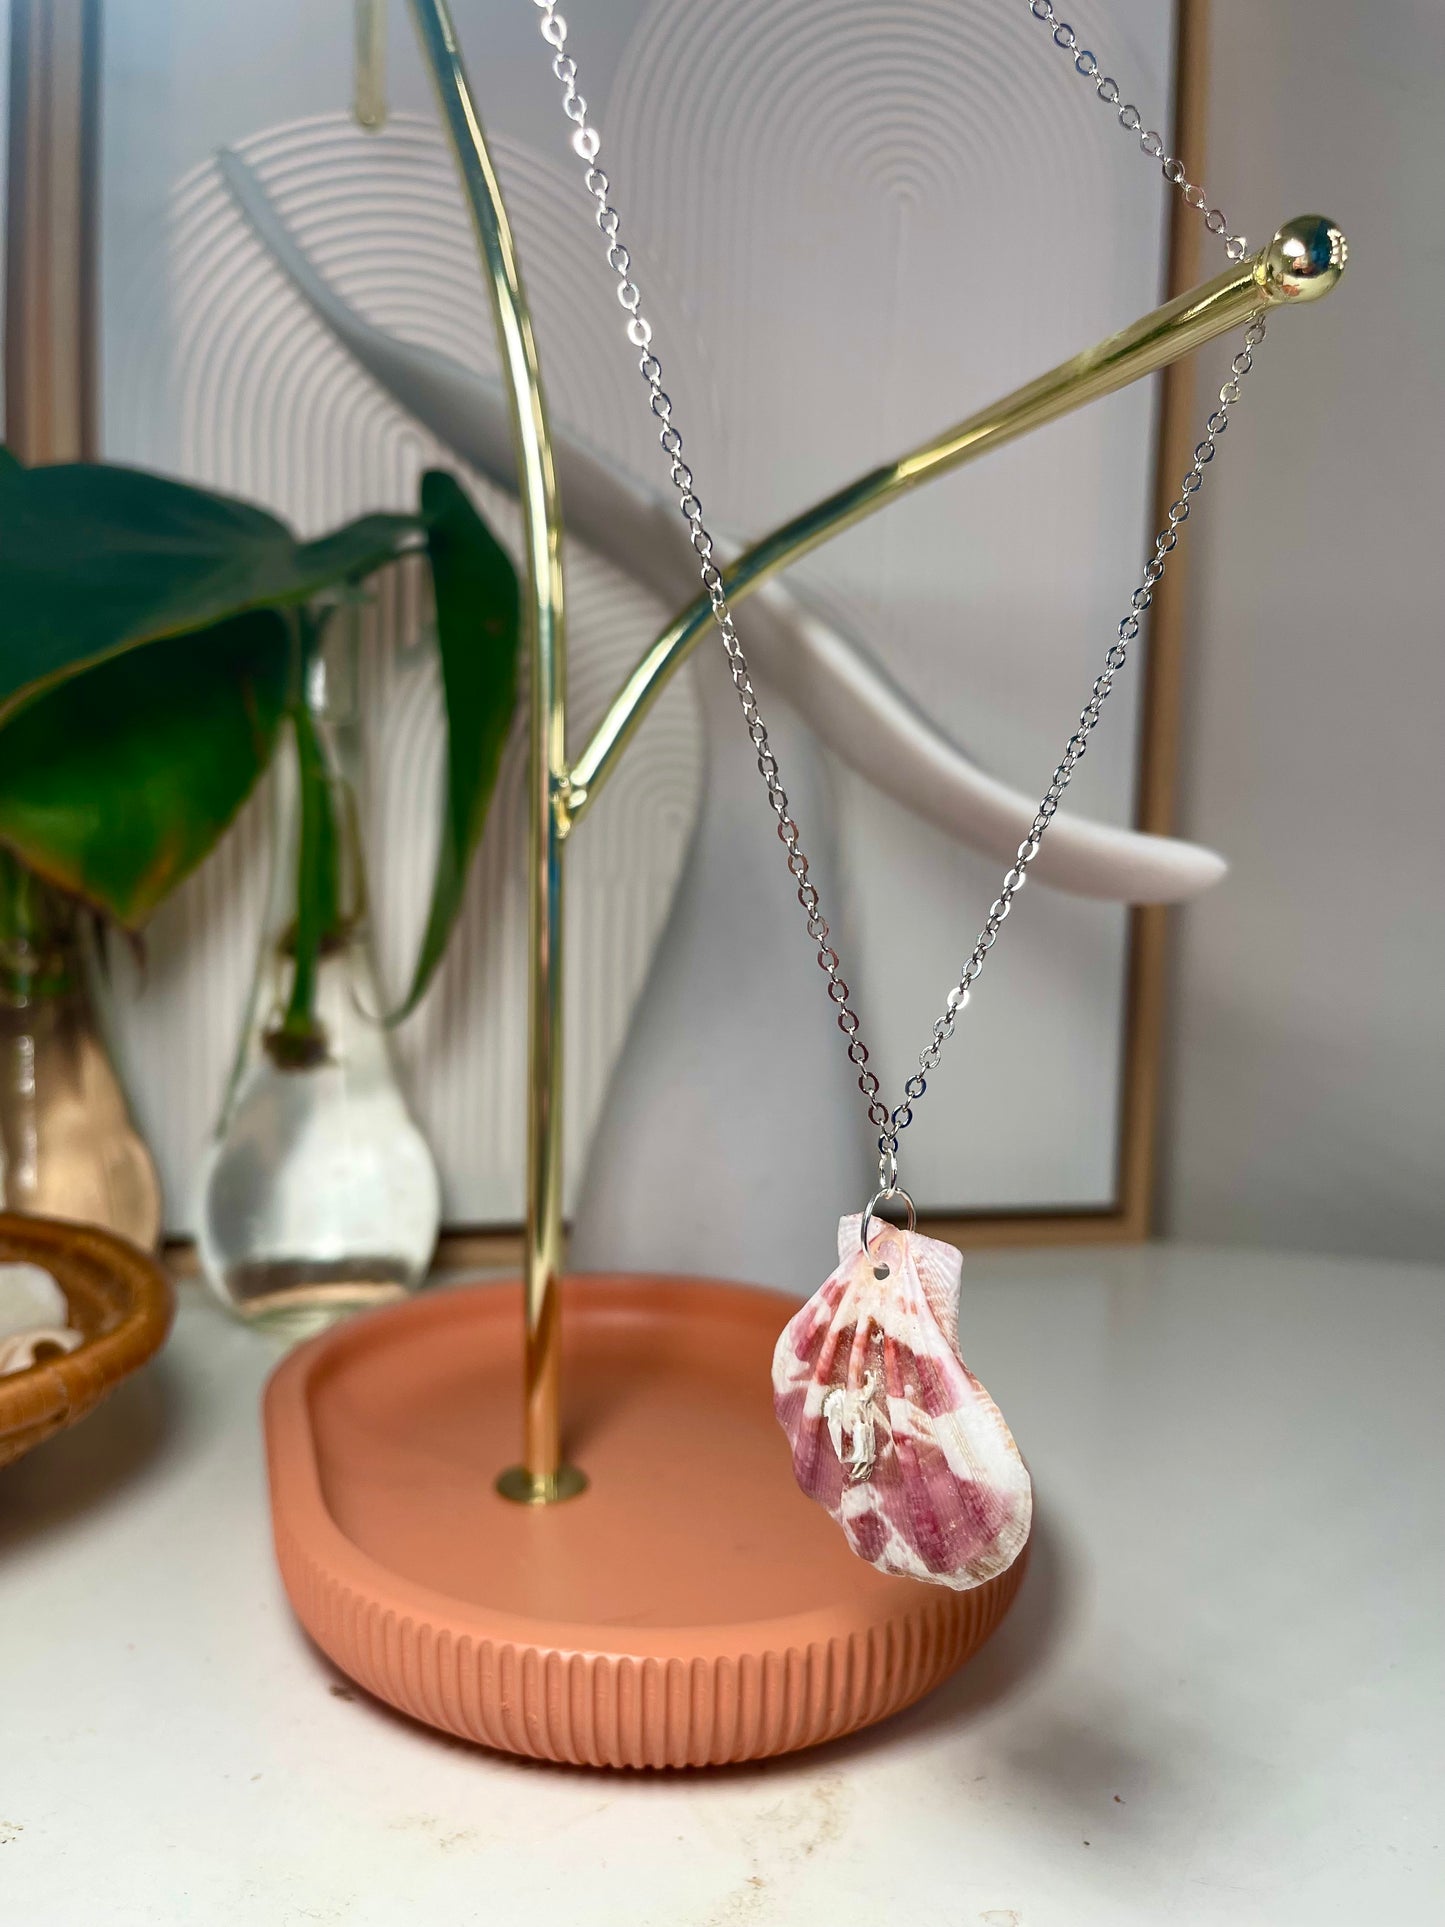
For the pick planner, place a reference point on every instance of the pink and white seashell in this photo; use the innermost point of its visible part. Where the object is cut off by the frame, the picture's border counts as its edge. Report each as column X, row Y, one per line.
column 891, row 1432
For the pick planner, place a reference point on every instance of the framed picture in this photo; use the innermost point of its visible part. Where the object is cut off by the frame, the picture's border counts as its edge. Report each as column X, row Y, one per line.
column 212, row 211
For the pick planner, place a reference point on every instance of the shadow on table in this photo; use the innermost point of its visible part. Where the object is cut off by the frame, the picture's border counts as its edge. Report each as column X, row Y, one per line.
column 1018, row 1650
column 91, row 1463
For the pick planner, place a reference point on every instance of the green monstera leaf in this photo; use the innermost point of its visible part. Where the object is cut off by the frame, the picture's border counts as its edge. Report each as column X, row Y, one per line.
column 96, row 559
column 116, row 783
column 146, row 652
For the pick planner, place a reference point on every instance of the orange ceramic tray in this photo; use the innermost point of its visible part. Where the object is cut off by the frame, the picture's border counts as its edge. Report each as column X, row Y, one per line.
column 118, row 1296
column 690, row 1608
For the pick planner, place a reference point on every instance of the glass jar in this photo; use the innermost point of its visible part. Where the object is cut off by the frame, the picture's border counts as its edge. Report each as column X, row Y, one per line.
column 319, row 1195
column 69, row 1147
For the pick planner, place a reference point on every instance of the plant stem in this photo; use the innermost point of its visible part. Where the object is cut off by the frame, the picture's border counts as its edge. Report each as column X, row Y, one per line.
column 35, row 921
column 300, row 1037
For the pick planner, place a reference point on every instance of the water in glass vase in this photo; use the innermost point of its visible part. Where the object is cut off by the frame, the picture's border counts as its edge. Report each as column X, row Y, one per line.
column 319, row 1194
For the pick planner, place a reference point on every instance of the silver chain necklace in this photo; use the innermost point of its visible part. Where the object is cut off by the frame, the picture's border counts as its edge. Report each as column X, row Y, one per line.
column 889, row 1123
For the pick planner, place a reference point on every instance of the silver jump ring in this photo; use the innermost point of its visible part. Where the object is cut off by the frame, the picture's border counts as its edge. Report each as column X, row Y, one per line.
column 884, row 1197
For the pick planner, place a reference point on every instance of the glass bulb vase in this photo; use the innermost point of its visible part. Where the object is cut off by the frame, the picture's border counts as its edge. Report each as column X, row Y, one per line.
column 319, row 1195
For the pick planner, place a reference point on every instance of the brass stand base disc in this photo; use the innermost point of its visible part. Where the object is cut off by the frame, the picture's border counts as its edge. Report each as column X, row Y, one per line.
column 528, row 1488
column 689, row 1608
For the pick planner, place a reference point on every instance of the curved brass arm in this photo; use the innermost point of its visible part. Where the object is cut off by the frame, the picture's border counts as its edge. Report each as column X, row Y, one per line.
column 542, row 1476
column 1304, row 260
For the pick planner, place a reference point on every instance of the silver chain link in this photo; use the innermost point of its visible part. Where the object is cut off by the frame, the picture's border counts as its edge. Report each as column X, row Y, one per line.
column 1132, row 122
column 586, row 143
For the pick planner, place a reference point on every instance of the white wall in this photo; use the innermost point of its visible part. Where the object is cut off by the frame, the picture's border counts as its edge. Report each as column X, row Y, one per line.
column 1307, row 1084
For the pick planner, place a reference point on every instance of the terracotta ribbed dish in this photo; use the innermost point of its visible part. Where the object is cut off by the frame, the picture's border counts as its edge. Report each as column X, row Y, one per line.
column 690, row 1608
column 117, row 1295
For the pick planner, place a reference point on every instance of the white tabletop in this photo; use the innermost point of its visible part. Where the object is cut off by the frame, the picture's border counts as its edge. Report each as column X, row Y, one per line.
column 1217, row 1701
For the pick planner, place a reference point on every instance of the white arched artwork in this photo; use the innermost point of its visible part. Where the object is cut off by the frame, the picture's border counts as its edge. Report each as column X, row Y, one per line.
column 247, row 394
column 732, row 1115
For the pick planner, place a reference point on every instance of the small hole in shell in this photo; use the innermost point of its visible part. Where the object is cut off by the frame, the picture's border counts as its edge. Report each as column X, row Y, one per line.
column 880, row 1271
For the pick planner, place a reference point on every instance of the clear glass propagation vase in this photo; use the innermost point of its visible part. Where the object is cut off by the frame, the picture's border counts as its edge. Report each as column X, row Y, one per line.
column 319, row 1195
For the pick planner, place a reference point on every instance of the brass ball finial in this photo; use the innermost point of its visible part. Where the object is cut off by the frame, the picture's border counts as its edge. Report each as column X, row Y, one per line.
column 1304, row 260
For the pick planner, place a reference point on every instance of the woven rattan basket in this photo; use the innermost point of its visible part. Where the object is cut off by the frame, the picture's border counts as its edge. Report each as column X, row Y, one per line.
column 118, row 1296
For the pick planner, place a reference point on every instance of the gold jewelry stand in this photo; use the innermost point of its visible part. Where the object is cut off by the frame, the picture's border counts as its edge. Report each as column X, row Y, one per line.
column 1297, row 266
column 692, row 1608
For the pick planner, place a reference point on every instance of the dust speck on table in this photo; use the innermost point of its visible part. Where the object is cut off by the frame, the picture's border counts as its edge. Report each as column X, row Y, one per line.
column 340, row 1692
column 779, row 1837
column 446, row 1839
column 794, row 1828
column 741, row 1907
column 10, row 1830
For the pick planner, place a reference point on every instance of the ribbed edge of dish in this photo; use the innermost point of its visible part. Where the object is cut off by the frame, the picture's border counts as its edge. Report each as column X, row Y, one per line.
column 609, row 1710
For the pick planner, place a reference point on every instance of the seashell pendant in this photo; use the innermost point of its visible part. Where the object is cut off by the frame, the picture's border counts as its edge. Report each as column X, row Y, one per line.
column 891, row 1432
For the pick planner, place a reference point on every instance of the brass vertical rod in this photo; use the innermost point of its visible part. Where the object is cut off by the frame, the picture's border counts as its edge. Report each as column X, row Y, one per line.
column 369, row 61
column 541, row 1478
